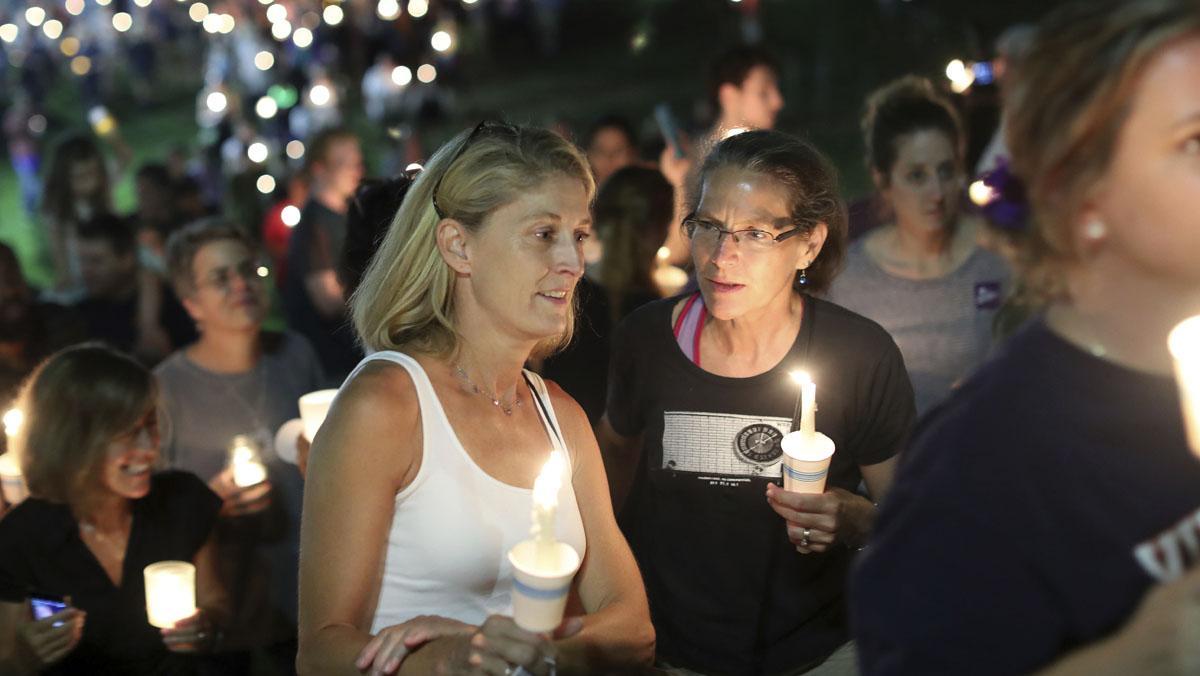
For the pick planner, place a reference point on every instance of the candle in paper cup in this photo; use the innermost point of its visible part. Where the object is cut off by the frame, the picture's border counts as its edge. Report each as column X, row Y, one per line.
column 539, row 593
column 1184, row 343
column 170, row 592
column 314, row 406
column 13, row 419
column 805, row 463
column 12, row 481
column 246, row 462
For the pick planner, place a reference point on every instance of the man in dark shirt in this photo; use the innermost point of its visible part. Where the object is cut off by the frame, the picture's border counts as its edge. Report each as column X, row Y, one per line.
column 313, row 298
column 126, row 306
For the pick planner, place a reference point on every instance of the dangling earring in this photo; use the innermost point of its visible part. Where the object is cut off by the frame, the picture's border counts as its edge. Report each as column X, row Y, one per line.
column 803, row 276
column 1095, row 230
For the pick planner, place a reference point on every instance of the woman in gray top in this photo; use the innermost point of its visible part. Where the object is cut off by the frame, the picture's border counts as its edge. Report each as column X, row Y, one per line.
column 238, row 380
column 923, row 276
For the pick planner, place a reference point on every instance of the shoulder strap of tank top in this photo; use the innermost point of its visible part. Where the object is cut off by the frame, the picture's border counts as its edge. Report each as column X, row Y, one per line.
column 543, row 409
column 688, row 327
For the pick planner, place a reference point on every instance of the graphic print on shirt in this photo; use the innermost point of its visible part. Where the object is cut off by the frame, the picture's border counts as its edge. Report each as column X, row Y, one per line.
column 721, row 448
column 1166, row 556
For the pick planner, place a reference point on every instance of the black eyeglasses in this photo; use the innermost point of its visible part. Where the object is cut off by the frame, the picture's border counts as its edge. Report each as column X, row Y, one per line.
column 485, row 127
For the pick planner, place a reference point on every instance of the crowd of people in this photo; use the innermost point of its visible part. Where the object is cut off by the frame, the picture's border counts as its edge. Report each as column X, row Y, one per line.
column 1012, row 489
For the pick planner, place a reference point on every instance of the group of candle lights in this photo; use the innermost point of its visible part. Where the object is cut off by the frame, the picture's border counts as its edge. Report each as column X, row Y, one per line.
column 542, row 566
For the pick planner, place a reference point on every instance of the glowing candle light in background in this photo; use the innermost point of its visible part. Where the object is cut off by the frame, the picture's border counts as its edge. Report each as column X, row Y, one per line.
column 1184, row 344
column 314, row 406
column 170, row 592
column 246, row 462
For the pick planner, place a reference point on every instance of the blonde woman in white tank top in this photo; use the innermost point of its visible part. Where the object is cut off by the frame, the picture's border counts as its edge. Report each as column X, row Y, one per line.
column 420, row 478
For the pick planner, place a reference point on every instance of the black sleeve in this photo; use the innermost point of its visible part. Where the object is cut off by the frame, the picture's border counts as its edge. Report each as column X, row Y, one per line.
column 886, row 408
column 622, row 408
column 15, row 576
column 191, row 507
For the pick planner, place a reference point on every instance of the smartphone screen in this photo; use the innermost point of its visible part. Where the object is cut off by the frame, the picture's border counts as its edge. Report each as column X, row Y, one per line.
column 44, row 607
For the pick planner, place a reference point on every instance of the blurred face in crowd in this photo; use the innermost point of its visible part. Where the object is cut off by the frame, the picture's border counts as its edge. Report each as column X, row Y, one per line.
column 154, row 200
column 106, row 273
column 609, row 151
column 87, row 176
column 756, row 103
column 342, row 169
column 526, row 257
column 130, row 459
column 740, row 278
column 1149, row 197
column 228, row 293
column 925, row 182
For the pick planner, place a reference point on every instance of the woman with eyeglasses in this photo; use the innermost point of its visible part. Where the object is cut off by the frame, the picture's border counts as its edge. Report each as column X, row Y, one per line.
column 238, row 380
column 419, row 481
column 743, row 577
column 97, row 515
column 923, row 276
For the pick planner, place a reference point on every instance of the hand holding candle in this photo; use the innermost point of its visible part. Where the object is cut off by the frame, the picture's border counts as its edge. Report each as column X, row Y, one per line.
column 246, row 463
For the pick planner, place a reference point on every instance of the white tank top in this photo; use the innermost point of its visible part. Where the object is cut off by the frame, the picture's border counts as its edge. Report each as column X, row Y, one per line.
column 453, row 525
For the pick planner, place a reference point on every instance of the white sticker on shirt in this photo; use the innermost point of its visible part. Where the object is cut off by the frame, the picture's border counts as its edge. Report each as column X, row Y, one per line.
column 1169, row 554
column 723, row 447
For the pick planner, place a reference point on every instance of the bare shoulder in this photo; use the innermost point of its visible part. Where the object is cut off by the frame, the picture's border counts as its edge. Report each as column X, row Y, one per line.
column 375, row 413
column 574, row 421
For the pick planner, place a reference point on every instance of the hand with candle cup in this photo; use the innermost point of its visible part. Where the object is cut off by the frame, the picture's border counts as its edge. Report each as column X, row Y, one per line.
column 817, row 522
column 43, row 643
column 238, row 500
column 191, row 634
column 499, row 647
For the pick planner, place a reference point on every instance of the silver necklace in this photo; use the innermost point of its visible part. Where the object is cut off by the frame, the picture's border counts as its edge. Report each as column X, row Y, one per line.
column 487, row 394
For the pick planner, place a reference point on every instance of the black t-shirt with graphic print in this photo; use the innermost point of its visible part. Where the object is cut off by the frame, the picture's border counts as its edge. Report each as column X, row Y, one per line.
column 1034, row 511
column 728, row 592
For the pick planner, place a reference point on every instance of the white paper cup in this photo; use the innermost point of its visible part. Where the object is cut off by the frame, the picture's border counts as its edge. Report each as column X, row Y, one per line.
column 170, row 592
column 313, row 408
column 805, row 463
column 539, row 596
column 12, row 482
column 285, row 440
column 1184, row 343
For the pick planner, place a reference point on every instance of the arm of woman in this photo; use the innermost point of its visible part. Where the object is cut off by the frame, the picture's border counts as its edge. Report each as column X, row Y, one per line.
column 28, row 646
column 368, row 450
column 617, row 630
column 620, row 455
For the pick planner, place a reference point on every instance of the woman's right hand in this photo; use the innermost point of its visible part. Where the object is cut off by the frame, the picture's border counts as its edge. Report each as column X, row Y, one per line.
column 387, row 649
column 499, row 647
column 46, row 644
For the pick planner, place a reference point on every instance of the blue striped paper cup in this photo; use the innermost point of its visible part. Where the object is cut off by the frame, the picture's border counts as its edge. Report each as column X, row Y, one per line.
column 540, row 591
column 805, row 463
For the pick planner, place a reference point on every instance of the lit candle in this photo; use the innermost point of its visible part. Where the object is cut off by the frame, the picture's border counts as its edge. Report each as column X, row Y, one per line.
column 170, row 592
column 244, row 459
column 314, row 406
column 804, row 417
column 12, row 481
column 545, row 505
column 668, row 278
column 1184, row 343
column 13, row 418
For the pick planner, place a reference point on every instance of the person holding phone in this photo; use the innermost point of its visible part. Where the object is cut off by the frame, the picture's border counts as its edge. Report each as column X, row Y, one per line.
column 97, row 515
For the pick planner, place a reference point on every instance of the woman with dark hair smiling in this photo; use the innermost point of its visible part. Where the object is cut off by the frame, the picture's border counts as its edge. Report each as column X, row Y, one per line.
column 97, row 515
column 744, row 577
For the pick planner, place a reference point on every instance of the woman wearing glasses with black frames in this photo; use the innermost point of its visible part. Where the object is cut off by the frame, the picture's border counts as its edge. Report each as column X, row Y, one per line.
column 419, row 480
column 743, row 577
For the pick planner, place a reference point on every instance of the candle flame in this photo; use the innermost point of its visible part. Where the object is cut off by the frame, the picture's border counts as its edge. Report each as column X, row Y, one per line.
column 1184, row 340
column 549, row 481
column 801, row 377
column 13, row 419
column 663, row 253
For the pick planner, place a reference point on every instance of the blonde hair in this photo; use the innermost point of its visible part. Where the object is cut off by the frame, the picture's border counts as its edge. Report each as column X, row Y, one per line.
column 1068, row 100
column 406, row 298
column 75, row 403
